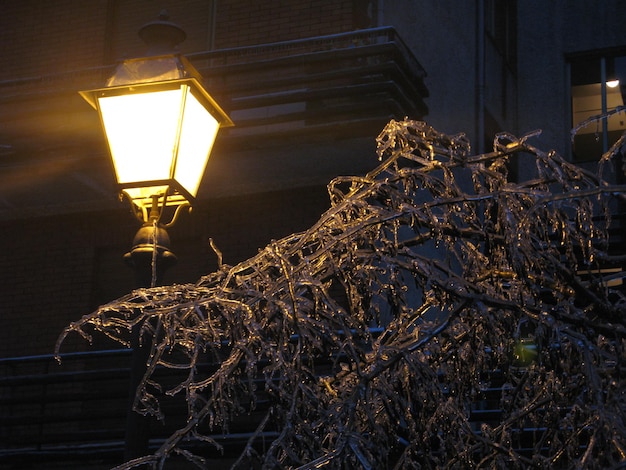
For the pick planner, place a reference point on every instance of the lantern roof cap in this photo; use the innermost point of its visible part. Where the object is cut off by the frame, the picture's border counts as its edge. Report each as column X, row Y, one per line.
column 161, row 62
column 153, row 69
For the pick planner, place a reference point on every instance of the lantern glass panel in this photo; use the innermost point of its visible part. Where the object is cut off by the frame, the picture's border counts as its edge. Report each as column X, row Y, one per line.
column 142, row 131
column 198, row 132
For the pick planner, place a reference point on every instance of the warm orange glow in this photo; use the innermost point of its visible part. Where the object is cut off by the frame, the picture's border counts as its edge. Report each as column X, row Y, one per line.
column 198, row 132
column 156, row 137
column 141, row 130
column 160, row 124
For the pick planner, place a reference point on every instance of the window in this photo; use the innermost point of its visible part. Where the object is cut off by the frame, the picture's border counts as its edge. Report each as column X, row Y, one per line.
column 501, row 28
column 598, row 85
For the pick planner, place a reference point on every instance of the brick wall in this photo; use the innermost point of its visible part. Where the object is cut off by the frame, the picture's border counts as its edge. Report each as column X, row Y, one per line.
column 46, row 268
column 246, row 22
column 41, row 38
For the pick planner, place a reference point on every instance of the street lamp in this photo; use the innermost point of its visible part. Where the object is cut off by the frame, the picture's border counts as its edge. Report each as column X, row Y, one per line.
column 160, row 125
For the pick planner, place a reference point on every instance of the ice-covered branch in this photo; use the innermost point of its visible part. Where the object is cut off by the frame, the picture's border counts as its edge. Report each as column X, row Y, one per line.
column 366, row 339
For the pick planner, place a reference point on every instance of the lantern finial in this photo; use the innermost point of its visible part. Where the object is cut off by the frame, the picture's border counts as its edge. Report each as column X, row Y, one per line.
column 162, row 36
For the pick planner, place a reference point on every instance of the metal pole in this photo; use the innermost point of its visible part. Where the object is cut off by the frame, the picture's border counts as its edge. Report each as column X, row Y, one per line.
column 149, row 257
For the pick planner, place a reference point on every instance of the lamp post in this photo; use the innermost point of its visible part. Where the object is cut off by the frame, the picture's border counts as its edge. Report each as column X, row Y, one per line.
column 160, row 125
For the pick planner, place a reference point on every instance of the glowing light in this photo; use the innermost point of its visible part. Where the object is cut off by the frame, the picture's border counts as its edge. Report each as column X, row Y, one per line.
column 156, row 137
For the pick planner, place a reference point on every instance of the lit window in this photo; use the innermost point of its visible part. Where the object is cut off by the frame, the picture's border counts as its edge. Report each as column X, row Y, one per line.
column 598, row 85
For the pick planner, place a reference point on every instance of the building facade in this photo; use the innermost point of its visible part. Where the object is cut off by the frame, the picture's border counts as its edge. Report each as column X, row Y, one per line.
column 308, row 83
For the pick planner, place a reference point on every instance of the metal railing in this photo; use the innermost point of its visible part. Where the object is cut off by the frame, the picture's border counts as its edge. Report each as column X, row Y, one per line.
column 63, row 411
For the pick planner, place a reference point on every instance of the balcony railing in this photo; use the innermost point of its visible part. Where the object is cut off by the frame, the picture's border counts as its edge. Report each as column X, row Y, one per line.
column 74, row 414
column 63, row 412
column 339, row 82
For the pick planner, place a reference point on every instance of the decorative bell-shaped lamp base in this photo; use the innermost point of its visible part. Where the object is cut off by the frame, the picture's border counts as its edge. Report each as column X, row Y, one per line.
column 150, row 255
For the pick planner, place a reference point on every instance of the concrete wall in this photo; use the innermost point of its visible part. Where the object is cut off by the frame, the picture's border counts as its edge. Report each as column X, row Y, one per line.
column 549, row 32
column 442, row 37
